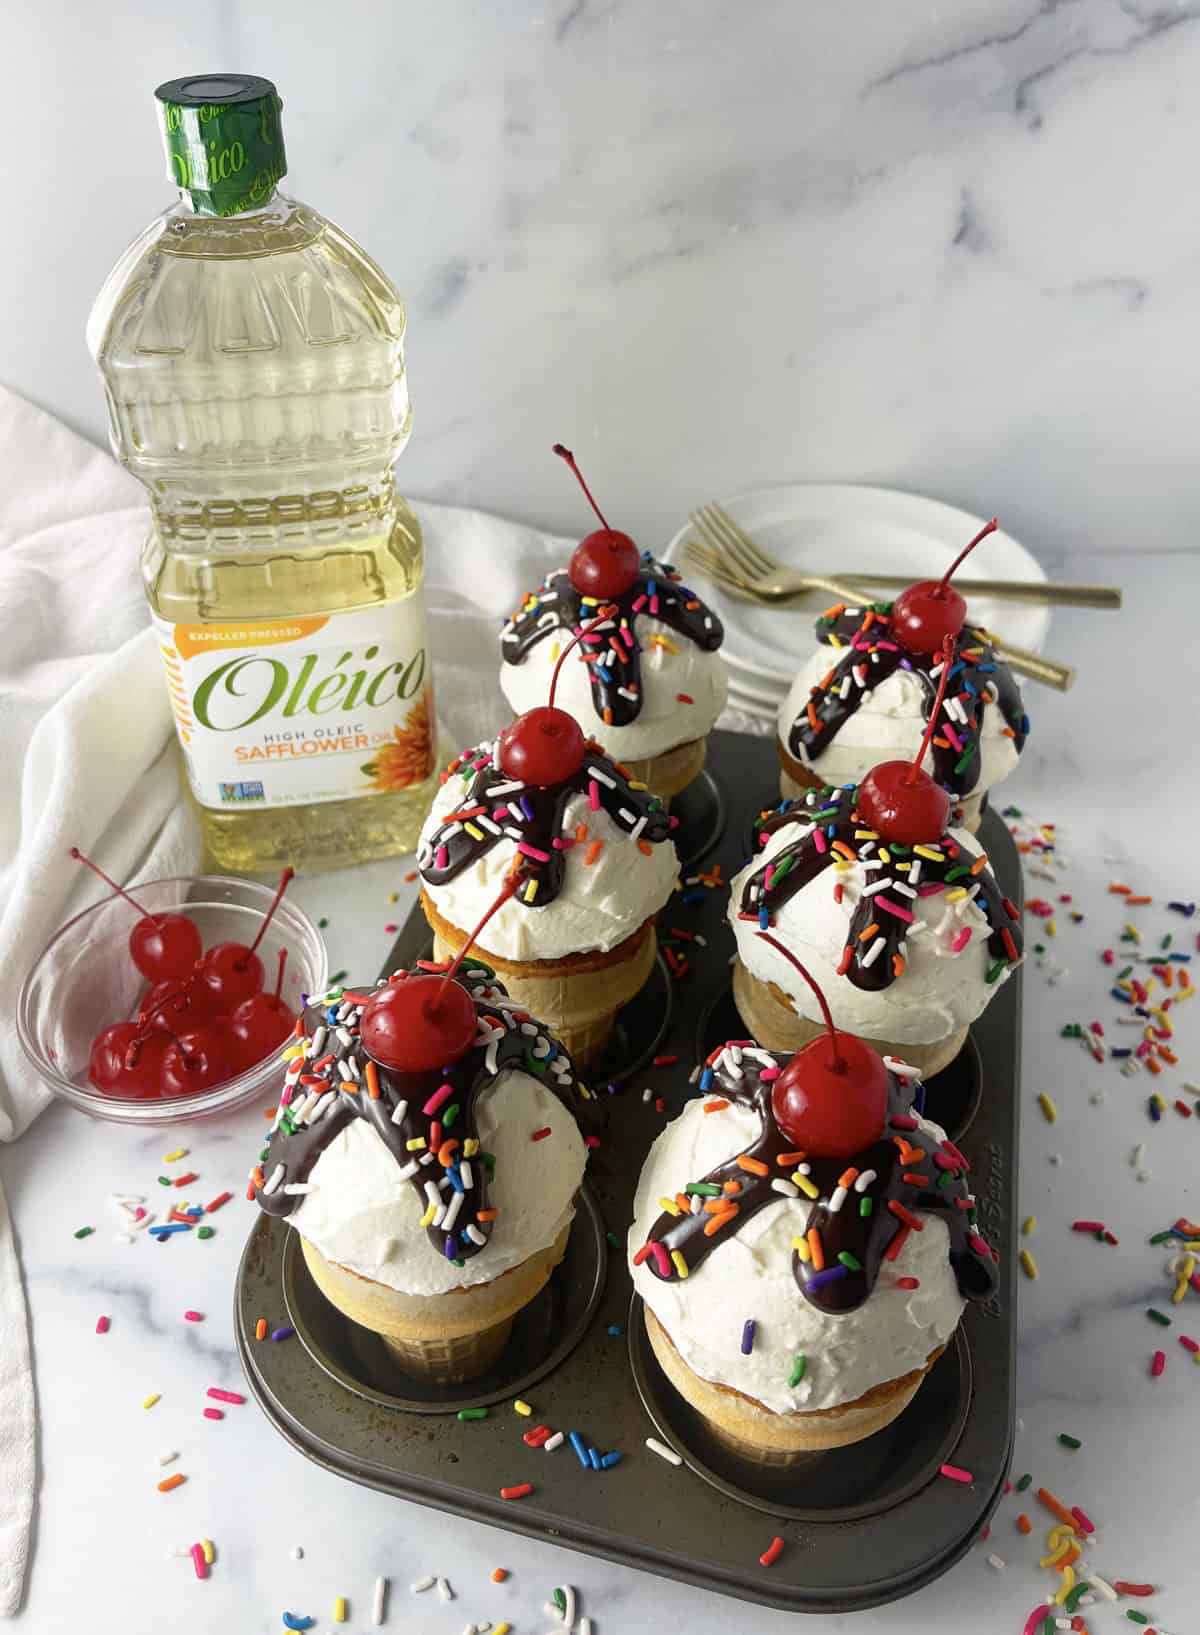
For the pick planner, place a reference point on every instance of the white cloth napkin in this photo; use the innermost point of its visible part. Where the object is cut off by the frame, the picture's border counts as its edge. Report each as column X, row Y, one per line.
column 84, row 718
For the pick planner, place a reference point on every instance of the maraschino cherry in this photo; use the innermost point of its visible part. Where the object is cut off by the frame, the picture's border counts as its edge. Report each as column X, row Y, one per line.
column 258, row 1026
column 929, row 611
column 418, row 1024
column 831, row 1099
column 160, row 945
column 230, row 972
column 172, row 1001
column 900, row 801
column 607, row 562
column 193, row 1060
column 126, row 1061
column 546, row 745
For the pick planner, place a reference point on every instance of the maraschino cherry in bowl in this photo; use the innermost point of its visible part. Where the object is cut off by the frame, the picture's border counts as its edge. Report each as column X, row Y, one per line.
column 85, row 984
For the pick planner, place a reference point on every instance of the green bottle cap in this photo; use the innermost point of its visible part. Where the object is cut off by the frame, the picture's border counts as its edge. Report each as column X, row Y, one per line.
column 224, row 140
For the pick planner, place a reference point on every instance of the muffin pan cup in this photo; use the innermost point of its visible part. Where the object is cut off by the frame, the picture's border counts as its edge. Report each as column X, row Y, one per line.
column 861, row 1525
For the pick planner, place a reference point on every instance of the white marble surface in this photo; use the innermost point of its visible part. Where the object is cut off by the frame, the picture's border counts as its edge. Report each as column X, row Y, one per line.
column 946, row 247
column 1109, row 765
column 712, row 246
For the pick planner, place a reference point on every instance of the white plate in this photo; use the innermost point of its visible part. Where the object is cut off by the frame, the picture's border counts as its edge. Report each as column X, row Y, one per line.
column 824, row 526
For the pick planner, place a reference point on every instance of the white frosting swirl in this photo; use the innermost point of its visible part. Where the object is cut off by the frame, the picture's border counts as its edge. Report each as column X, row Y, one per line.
column 938, row 992
column 664, row 720
column 361, row 1215
column 599, row 903
column 749, row 1274
column 887, row 725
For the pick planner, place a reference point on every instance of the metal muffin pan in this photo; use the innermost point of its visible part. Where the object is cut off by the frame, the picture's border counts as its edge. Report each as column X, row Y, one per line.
column 862, row 1525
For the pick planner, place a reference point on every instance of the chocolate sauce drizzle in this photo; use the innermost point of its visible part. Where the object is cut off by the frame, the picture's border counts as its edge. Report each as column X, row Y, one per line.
column 834, row 836
column 864, row 1209
column 427, row 1121
column 870, row 653
column 611, row 650
column 497, row 807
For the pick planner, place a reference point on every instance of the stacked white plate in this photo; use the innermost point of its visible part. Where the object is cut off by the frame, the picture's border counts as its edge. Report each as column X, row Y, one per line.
column 829, row 528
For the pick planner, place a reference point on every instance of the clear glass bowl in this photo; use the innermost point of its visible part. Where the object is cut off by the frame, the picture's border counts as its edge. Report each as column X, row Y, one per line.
column 84, row 979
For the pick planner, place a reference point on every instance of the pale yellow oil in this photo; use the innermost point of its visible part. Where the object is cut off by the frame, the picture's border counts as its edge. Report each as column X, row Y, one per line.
column 254, row 371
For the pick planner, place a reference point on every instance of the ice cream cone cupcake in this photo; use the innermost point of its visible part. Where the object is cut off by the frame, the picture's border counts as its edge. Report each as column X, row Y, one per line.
column 648, row 682
column 804, row 1244
column 594, row 863
column 865, row 696
column 898, row 917
column 426, row 1150
column 586, row 848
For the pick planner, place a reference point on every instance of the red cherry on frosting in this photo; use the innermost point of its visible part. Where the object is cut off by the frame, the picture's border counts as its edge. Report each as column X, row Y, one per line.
column 929, row 611
column 831, row 1099
column 543, row 746
column 607, row 562
column 899, row 801
column 422, row 1023
column 418, row 1025
column 902, row 808
column 926, row 613
column 193, row 1060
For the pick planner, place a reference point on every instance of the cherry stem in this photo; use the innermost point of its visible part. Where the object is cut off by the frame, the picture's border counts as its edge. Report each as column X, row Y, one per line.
column 279, row 977
column 598, row 618
column 510, row 885
column 988, row 528
column 839, row 1061
column 185, row 1056
column 565, row 454
column 285, row 880
column 120, row 890
column 910, row 776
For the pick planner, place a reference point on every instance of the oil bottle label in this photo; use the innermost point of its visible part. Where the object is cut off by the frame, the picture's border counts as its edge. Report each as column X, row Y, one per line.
column 288, row 712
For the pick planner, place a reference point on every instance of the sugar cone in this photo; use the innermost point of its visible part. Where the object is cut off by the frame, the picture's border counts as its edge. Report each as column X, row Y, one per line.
column 441, row 1338
column 969, row 813
column 769, row 1016
column 666, row 774
column 577, row 997
column 771, row 1440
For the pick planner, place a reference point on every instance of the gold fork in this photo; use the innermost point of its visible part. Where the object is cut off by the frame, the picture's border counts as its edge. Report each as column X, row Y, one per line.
column 716, row 563
column 774, row 580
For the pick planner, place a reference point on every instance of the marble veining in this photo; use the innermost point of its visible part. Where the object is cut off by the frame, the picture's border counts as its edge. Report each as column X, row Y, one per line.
column 880, row 243
column 712, row 247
